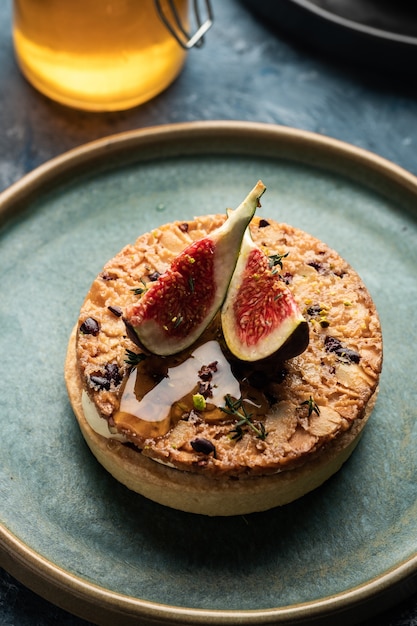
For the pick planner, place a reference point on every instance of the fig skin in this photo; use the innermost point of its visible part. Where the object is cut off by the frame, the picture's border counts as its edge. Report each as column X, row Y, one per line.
column 296, row 344
column 260, row 318
column 173, row 313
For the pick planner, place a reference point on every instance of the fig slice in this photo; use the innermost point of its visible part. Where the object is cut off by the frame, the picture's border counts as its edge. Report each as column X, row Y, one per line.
column 173, row 313
column 260, row 317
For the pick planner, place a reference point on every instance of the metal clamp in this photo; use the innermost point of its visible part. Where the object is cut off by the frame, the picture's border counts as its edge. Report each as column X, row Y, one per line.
column 170, row 17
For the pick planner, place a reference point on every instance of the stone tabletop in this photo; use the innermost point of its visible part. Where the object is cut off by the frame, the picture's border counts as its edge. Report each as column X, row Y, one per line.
column 247, row 70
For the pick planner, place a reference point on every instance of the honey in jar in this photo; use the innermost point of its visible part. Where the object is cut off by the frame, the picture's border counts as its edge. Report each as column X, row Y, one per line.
column 97, row 54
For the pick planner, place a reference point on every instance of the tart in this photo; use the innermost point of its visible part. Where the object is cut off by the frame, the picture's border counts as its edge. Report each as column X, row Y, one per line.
column 206, row 433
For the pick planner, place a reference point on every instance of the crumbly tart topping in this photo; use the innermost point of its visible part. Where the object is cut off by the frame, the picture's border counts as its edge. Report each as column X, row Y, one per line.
column 299, row 406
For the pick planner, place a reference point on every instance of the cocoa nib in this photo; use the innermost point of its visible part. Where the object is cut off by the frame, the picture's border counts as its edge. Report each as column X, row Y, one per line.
column 287, row 278
column 317, row 312
column 111, row 374
column 263, row 223
column 314, row 310
column 206, row 372
column 90, row 326
column 205, row 389
column 345, row 354
column 116, row 310
column 153, row 276
column 107, row 276
column 317, row 266
column 100, row 381
column 205, row 375
column 203, row 445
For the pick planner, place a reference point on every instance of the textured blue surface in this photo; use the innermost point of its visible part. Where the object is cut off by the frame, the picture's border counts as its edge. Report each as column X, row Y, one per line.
column 246, row 71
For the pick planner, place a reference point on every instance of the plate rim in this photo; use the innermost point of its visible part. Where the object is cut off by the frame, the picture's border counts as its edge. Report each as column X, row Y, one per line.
column 61, row 587
column 63, row 164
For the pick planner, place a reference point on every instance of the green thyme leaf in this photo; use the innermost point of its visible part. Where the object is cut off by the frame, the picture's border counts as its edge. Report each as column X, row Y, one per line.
column 312, row 406
column 276, row 260
column 134, row 358
column 245, row 423
column 138, row 291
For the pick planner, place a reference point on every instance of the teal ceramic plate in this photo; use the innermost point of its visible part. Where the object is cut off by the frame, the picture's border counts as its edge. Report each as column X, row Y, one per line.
column 78, row 538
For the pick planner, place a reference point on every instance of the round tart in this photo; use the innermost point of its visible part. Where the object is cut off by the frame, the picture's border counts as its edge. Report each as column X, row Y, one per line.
column 266, row 433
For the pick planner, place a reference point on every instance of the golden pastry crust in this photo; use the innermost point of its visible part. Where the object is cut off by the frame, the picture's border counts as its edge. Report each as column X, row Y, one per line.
column 199, row 493
column 339, row 370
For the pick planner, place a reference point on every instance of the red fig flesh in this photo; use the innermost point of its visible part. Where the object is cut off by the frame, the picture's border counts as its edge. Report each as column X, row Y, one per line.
column 173, row 313
column 260, row 314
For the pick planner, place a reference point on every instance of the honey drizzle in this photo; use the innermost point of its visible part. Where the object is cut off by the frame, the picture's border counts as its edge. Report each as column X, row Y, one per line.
column 159, row 391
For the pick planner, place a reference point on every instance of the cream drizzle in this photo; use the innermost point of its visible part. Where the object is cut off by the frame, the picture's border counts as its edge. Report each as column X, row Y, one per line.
column 180, row 381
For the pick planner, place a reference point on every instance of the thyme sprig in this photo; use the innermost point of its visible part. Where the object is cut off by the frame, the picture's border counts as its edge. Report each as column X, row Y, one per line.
column 138, row 291
column 238, row 409
column 133, row 358
column 276, row 260
column 312, row 406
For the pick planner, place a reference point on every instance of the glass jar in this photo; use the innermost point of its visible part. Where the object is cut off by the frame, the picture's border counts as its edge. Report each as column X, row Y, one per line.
column 102, row 55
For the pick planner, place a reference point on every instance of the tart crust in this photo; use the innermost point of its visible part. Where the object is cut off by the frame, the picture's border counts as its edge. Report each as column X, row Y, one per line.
column 198, row 493
column 340, row 370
